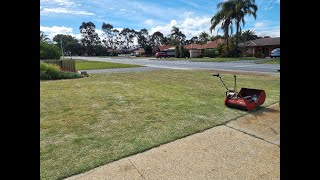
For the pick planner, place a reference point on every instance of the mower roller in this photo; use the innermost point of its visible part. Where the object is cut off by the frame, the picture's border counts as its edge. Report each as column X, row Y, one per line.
column 246, row 99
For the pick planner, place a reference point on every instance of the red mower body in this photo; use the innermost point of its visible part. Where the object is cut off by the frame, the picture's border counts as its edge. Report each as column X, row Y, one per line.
column 247, row 99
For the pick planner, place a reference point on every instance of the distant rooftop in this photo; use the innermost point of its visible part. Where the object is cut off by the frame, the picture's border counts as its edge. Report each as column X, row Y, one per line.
column 262, row 42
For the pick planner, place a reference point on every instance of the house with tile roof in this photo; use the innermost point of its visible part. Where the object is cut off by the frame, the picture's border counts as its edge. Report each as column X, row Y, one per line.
column 195, row 50
column 262, row 45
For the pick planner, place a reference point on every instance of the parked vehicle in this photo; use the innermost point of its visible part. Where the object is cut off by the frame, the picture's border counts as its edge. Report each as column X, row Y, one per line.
column 275, row 53
column 161, row 55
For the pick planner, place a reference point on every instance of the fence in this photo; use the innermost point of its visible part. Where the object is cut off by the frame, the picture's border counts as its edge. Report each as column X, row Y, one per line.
column 65, row 64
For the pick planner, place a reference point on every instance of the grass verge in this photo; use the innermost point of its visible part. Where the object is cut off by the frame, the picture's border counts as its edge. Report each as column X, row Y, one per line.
column 209, row 59
column 88, row 122
column 89, row 65
column 269, row 61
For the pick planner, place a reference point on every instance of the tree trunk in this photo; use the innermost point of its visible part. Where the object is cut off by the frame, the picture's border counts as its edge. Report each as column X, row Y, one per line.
column 227, row 38
column 237, row 33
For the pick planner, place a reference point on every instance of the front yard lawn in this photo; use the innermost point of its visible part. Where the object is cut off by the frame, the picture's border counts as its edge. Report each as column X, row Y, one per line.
column 89, row 122
column 89, row 65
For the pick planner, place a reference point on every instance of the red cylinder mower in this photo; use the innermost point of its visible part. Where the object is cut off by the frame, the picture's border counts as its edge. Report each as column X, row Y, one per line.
column 247, row 99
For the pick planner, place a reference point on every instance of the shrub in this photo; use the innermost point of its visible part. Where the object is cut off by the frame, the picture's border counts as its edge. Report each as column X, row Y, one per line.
column 225, row 51
column 69, row 75
column 49, row 67
column 52, row 72
column 210, row 53
column 257, row 54
column 49, row 51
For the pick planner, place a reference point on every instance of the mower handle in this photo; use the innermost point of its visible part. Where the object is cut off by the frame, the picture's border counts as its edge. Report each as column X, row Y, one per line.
column 216, row 75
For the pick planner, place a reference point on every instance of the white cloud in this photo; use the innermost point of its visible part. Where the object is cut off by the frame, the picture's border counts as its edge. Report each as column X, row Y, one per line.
column 46, row 11
column 54, row 30
column 122, row 9
column 259, row 25
column 273, row 32
column 164, row 29
column 188, row 14
column 148, row 22
column 66, row 3
column 189, row 26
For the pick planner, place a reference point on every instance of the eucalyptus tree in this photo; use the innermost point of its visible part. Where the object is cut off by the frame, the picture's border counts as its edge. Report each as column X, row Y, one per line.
column 156, row 39
column 143, row 38
column 127, row 36
column 89, row 36
column 107, row 32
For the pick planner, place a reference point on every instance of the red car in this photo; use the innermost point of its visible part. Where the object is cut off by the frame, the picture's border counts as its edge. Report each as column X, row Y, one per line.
column 161, row 55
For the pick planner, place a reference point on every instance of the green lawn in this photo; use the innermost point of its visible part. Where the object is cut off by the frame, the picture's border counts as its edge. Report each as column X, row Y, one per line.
column 88, row 122
column 88, row 65
column 269, row 61
column 210, row 59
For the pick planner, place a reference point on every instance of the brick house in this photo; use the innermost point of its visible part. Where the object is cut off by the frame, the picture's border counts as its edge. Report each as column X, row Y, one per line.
column 195, row 50
column 262, row 45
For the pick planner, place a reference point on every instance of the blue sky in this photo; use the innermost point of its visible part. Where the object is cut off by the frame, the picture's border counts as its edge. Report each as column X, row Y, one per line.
column 191, row 16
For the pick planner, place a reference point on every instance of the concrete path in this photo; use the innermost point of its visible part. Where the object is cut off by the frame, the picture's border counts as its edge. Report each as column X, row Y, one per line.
column 246, row 148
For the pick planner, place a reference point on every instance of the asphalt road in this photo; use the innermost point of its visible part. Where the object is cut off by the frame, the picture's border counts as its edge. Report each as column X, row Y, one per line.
column 153, row 64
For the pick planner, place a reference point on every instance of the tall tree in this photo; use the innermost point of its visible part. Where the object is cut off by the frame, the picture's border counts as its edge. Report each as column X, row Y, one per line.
column 143, row 38
column 107, row 32
column 64, row 39
column 156, row 39
column 194, row 39
column 241, row 9
column 165, row 40
column 127, row 36
column 247, row 35
column 43, row 37
column 177, row 37
column 223, row 16
column 204, row 37
column 116, row 39
column 90, row 37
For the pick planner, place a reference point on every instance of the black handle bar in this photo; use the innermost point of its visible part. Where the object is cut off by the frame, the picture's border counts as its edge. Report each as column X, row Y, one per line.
column 216, row 75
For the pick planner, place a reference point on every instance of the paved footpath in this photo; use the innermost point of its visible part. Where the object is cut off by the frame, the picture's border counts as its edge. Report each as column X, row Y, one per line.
column 245, row 148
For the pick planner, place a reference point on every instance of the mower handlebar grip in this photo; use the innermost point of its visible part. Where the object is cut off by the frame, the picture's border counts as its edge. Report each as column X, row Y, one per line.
column 216, row 75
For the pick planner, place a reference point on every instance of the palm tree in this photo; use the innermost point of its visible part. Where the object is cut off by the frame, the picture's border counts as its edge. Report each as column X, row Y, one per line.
column 241, row 9
column 247, row 35
column 223, row 16
column 177, row 36
column 43, row 37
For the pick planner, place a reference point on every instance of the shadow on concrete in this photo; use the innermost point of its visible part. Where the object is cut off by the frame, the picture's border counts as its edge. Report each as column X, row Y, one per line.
column 261, row 110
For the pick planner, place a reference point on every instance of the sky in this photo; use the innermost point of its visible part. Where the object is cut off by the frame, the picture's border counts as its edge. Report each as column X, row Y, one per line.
column 191, row 16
